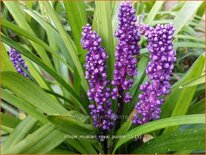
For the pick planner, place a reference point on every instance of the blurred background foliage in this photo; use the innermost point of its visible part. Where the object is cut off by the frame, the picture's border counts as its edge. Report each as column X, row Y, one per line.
column 48, row 34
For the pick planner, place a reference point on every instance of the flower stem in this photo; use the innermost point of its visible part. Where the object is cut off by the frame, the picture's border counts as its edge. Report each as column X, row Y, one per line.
column 120, row 108
column 105, row 146
column 103, row 141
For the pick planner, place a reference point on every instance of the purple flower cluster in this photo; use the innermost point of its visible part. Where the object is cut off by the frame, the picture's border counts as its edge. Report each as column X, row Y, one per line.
column 159, row 70
column 18, row 62
column 96, row 75
column 125, row 66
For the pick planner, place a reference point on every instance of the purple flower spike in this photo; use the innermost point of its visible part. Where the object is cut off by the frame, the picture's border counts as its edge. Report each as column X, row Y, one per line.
column 125, row 66
column 96, row 75
column 18, row 62
column 159, row 70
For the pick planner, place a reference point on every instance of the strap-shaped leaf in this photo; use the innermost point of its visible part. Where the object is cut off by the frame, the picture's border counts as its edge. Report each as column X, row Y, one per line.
column 32, row 37
column 194, row 71
column 49, row 142
column 8, row 121
column 19, row 132
column 49, row 70
column 30, row 92
column 82, row 146
column 68, row 42
column 76, row 13
column 191, row 139
column 189, row 45
column 197, row 108
column 19, row 17
column 196, row 81
column 115, row 8
column 53, row 32
column 186, row 95
column 153, row 12
column 159, row 124
column 102, row 24
column 184, row 15
column 24, row 105
column 61, row 151
column 72, row 126
column 79, row 116
column 43, row 140
column 6, row 63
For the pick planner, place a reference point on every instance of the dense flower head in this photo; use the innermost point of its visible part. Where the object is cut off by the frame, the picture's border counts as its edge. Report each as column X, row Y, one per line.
column 159, row 69
column 18, row 62
column 125, row 66
column 96, row 74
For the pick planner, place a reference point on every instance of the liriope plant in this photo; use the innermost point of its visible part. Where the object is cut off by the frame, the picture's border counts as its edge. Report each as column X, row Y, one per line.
column 102, row 77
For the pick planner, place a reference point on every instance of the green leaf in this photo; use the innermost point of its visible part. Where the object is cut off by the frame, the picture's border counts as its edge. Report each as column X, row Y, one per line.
column 159, row 124
column 153, row 12
column 188, row 45
column 197, row 108
column 178, row 6
column 44, row 136
column 23, row 105
column 185, row 14
column 76, row 85
column 6, row 63
column 142, row 64
column 36, row 74
column 52, row 32
column 194, row 71
column 49, row 70
column 82, row 146
column 67, row 101
column 124, row 128
column 60, row 151
column 102, row 24
column 56, row 40
column 5, row 128
column 182, row 105
column 134, row 91
column 68, row 42
column 189, row 38
column 72, row 126
column 162, row 21
column 169, row 104
column 10, row 109
column 186, row 95
column 19, row 17
column 29, row 4
column 79, row 116
column 57, row 44
column 192, row 139
column 19, row 132
column 76, row 14
column 32, row 37
column 77, row 145
column 48, row 143
column 9, row 121
column 32, row 69
column 191, row 73
column 27, row 90
column 180, row 45
column 115, row 18
column 194, row 82
column 189, row 30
